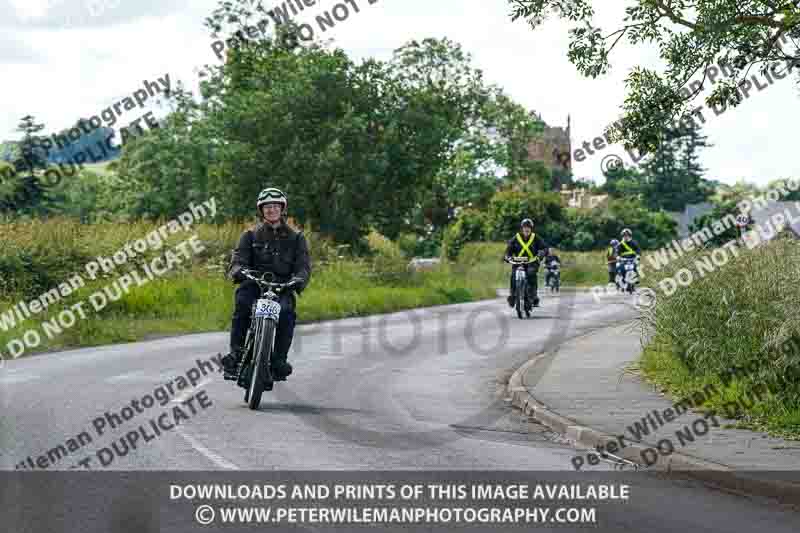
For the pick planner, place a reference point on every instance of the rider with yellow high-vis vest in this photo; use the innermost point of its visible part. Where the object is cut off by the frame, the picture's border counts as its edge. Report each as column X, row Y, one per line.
column 628, row 247
column 526, row 244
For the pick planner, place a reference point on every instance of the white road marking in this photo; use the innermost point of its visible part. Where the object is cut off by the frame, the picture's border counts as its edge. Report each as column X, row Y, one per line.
column 371, row 368
column 130, row 376
column 188, row 393
column 11, row 378
column 193, row 442
column 213, row 457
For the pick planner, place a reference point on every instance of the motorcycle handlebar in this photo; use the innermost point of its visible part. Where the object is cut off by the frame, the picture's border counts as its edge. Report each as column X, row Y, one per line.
column 249, row 275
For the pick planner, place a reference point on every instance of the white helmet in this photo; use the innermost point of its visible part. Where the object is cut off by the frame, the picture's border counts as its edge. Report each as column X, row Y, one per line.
column 271, row 195
column 627, row 232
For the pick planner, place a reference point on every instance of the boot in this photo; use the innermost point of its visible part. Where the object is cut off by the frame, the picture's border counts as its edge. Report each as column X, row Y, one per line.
column 280, row 369
column 230, row 364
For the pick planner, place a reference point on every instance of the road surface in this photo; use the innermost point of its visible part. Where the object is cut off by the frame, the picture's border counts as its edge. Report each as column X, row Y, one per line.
column 419, row 390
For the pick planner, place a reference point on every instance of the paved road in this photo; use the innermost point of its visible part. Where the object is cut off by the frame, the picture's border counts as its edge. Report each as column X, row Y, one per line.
column 407, row 391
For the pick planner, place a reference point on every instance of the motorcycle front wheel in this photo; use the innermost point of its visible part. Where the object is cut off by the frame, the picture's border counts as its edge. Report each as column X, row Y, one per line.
column 520, row 299
column 260, row 374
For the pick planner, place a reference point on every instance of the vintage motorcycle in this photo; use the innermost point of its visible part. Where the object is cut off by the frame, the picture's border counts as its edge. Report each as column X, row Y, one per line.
column 627, row 274
column 254, row 370
column 554, row 276
column 520, row 285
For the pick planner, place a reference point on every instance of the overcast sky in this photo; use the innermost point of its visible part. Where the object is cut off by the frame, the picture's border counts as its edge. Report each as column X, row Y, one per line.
column 63, row 59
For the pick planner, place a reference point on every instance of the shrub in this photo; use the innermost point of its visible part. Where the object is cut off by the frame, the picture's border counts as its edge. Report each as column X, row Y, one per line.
column 470, row 226
column 583, row 241
column 389, row 265
column 475, row 253
column 507, row 209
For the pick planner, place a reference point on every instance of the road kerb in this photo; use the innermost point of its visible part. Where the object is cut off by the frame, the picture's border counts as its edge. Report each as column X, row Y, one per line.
column 719, row 475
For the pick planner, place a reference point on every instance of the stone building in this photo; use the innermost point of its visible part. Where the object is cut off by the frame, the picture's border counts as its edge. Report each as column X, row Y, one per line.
column 553, row 148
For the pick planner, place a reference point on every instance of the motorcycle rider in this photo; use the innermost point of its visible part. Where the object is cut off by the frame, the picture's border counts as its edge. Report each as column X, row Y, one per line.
column 527, row 243
column 550, row 261
column 611, row 259
column 628, row 248
column 272, row 246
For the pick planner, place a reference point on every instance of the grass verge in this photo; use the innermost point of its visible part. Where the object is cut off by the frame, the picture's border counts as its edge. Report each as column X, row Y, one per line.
column 743, row 314
column 194, row 297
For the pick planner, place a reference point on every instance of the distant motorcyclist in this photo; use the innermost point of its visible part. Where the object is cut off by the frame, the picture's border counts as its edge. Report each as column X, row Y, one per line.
column 628, row 249
column 526, row 244
column 272, row 246
column 551, row 261
column 611, row 259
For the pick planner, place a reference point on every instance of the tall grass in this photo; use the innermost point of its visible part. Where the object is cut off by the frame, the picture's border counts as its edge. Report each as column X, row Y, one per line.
column 38, row 255
column 744, row 314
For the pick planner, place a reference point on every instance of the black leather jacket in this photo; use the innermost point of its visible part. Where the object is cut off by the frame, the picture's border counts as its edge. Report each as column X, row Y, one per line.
column 282, row 251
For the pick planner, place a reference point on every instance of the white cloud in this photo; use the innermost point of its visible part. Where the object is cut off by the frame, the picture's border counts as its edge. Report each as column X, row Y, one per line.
column 62, row 73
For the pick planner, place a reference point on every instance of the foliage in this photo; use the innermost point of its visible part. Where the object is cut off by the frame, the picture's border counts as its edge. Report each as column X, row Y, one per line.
column 508, row 208
column 388, row 264
column 565, row 228
column 691, row 37
column 90, row 197
column 793, row 196
column 196, row 298
column 673, row 175
column 650, row 229
column 470, row 226
column 352, row 145
column 163, row 170
column 25, row 194
column 720, row 211
column 668, row 179
column 742, row 314
column 28, row 146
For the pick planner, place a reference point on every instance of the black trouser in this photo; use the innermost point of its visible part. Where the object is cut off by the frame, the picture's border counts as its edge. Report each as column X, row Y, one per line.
column 246, row 295
column 531, row 273
column 612, row 273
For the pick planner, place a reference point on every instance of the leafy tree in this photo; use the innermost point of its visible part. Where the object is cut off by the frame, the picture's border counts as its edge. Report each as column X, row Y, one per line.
column 163, row 170
column 650, row 229
column 31, row 152
column 354, row 146
column 470, row 226
column 673, row 176
column 25, row 195
column 691, row 36
column 495, row 141
column 721, row 210
column 518, row 127
column 623, row 182
column 508, row 208
column 793, row 196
